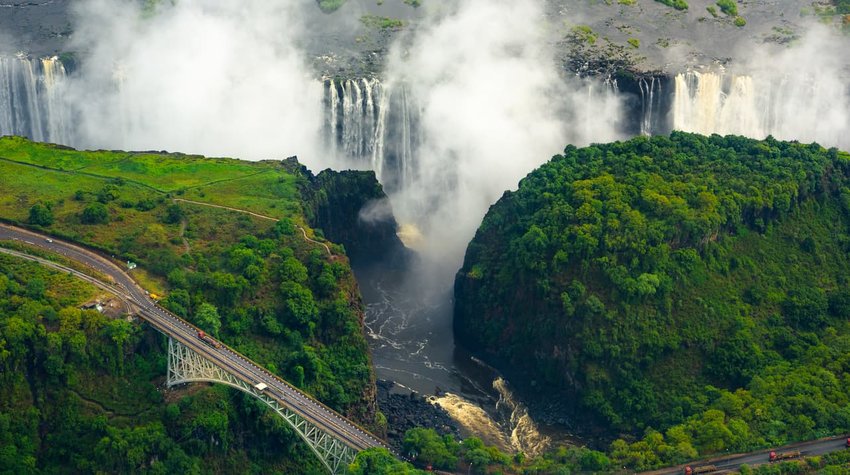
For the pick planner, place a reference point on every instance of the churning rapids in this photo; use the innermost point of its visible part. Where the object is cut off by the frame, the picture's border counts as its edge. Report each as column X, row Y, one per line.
column 412, row 345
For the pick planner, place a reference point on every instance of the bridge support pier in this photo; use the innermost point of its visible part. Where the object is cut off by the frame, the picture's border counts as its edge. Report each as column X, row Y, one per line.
column 187, row 366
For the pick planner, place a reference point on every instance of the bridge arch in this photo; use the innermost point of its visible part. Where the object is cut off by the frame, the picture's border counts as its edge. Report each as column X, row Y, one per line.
column 187, row 366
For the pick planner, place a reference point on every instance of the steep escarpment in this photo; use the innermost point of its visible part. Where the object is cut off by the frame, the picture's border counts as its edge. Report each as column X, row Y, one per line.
column 351, row 208
column 651, row 282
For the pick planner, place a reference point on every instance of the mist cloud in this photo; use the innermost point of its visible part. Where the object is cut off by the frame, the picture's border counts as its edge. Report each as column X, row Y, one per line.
column 376, row 211
column 493, row 108
column 808, row 85
column 199, row 76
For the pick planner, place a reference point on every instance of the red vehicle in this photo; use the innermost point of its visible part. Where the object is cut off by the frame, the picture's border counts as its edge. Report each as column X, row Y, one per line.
column 703, row 469
column 209, row 340
column 847, row 444
column 774, row 457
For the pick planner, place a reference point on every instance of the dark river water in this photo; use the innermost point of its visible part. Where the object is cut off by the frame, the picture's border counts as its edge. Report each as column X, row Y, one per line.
column 409, row 328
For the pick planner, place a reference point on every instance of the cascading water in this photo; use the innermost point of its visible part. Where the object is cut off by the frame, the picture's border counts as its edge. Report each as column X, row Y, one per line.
column 788, row 106
column 373, row 125
column 31, row 99
column 525, row 435
column 650, row 105
column 352, row 116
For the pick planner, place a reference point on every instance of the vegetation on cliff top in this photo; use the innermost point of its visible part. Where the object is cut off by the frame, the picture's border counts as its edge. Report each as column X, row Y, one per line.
column 677, row 4
column 80, row 392
column 329, row 6
column 255, row 283
column 693, row 285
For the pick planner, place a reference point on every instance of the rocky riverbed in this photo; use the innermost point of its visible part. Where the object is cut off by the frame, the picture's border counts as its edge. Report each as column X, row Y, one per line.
column 407, row 409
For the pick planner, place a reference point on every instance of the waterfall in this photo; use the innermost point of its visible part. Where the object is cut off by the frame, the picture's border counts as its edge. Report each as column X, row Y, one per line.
column 474, row 420
column 598, row 112
column 650, row 105
column 56, row 114
column 352, row 117
column 32, row 103
column 370, row 124
column 791, row 106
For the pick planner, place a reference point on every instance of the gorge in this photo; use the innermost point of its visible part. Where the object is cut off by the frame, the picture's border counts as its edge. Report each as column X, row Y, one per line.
column 447, row 122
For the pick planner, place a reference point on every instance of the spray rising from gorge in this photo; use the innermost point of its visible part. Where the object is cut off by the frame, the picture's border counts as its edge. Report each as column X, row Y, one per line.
column 197, row 76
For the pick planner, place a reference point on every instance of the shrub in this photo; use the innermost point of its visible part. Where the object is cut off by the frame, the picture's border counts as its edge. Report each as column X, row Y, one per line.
column 173, row 214
column 728, row 7
column 677, row 4
column 95, row 213
column 40, row 215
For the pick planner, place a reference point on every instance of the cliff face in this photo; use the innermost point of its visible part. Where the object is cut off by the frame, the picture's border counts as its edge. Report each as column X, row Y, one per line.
column 350, row 208
column 625, row 277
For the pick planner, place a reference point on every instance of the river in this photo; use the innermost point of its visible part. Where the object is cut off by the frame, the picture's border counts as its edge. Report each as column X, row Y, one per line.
column 409, row 328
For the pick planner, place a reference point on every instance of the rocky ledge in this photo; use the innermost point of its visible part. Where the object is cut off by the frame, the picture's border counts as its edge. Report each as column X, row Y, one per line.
column 405, row 410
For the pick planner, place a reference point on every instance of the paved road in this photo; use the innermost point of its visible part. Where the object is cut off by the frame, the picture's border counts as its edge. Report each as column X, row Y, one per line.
column 127, row 289
column 733, row 462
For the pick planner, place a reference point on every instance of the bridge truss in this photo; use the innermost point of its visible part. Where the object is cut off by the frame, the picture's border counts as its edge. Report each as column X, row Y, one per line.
column 187, row 366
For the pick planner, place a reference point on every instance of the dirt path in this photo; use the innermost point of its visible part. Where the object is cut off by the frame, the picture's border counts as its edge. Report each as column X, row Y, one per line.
column 183, row 235
column 261, row 216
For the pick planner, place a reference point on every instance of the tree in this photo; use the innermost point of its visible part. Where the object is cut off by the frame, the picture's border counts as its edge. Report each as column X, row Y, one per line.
column 379, row 461
column 107, row 193
column 284, row 227
column 207, row 318
column 806, row 308
column 173, row 214
column 178, row 301
column 299, row 303
column 36, row 288
column 293, row 270
column 95, row 213
column 429, row 448
column 41, row 215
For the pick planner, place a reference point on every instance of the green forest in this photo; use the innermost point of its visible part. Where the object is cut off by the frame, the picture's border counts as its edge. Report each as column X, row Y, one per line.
column 81, row 392
column 687, row 292
column 257, row 284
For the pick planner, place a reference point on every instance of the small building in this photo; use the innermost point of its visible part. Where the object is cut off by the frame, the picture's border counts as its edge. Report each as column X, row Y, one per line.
column 93, row 305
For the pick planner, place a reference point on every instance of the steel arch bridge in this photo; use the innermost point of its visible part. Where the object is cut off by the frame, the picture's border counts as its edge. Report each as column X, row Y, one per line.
column 187, row 366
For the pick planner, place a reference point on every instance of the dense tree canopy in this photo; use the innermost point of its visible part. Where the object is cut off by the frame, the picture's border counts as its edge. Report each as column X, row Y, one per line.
column 689, row 283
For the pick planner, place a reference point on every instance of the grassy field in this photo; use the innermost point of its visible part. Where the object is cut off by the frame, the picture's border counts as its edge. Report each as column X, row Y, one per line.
column 164, row 173
column 58, row 286
column 272, row 193
column 141, row 188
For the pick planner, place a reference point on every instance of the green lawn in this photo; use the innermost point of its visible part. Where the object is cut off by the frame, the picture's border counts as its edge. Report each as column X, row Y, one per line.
column 48, row 155
column 163, row 172
column 47, row 173
column 173, row 172
column 272, row 193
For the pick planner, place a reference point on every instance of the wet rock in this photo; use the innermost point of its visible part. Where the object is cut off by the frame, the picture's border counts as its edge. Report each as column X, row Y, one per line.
column 406, row 409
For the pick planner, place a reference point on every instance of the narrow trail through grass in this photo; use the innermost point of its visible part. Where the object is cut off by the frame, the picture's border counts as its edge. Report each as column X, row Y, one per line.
column 256, row 215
